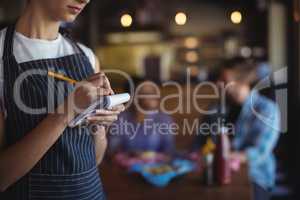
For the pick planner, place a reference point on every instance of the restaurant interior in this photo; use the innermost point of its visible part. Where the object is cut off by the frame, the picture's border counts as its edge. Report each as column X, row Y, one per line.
column 180, row 48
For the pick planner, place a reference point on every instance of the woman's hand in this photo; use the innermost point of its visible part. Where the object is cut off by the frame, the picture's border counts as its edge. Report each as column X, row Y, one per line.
column 100, row 80
column 88, row 91
column 105, row 117
column 85, row 93
column 98, row 124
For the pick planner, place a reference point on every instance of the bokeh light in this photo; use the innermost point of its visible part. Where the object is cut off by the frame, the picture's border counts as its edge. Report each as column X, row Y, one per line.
column 191, row 56
column 126, row 20
column 181, row 18
column 236, row 17
column 191, row 42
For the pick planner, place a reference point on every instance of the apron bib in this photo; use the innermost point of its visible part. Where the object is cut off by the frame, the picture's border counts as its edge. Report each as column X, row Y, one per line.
column 68, row 170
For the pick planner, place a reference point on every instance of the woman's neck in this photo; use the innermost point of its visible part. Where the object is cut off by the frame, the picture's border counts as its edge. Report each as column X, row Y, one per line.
column 34, row 23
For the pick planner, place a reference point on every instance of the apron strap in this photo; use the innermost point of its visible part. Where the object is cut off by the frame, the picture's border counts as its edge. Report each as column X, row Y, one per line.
column 9, row 42
column 66, row 33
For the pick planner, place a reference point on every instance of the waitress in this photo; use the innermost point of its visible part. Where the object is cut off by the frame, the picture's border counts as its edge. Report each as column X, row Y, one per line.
column 40, row 156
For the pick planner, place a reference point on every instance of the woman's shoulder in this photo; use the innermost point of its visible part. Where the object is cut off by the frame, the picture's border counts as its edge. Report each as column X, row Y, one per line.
column 67, row 43
column 2, row 37
column 89, row 53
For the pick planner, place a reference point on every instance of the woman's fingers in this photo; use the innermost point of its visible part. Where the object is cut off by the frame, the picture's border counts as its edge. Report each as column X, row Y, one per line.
column 102, row 119
column 104, row 115
column 115, row 110
column 106, row 83
column 100, row 80
column 95, row 76
column 95, row 92
column 106, row 112
column 119, row 108
column 103, row 91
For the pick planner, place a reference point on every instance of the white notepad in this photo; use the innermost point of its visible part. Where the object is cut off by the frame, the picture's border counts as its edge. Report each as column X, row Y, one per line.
column 105, row 102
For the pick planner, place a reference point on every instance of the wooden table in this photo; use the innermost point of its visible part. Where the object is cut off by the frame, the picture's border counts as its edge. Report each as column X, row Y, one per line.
column 119, row 185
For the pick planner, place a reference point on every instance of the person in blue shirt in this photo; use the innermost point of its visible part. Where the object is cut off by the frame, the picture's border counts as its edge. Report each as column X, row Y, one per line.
column 143, row 127
column 256, row 129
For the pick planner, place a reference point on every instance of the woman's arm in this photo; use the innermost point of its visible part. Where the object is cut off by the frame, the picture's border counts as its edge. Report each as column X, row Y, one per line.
column 18, row 159
column 2, row 127
column 106, row 117
column 97, row 64
column 100, row 143
column 100, row 139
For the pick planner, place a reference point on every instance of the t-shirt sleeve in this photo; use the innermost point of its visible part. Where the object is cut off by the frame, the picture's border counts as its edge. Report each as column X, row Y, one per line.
column 2, row 35
column 90, row 54
column 2, row 109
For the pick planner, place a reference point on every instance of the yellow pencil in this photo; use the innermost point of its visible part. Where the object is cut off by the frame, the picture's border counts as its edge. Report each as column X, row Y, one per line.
column 61, row 77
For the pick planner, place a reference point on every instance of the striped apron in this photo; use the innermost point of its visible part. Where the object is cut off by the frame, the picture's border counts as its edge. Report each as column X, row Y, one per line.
column 68, row 170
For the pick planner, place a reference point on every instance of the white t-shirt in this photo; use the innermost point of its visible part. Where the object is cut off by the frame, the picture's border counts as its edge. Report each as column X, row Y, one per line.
column 27, row 49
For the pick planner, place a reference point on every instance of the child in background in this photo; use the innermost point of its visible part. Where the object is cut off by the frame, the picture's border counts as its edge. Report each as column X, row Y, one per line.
column 143, row 127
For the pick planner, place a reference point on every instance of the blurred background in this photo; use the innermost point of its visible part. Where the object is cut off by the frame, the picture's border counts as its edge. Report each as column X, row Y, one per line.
column 166, row 40
column 141, row 37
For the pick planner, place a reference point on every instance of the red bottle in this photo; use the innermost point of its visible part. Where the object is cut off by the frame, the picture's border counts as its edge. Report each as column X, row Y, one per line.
column 222, row 161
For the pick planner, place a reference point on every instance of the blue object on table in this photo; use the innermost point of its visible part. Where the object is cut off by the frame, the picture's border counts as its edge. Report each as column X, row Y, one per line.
column 176, row 168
